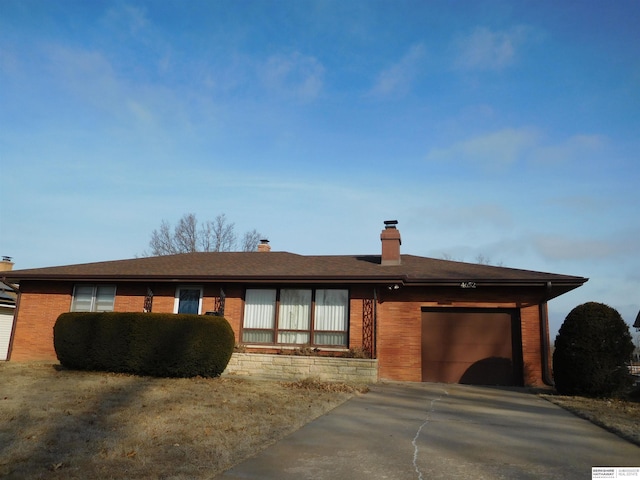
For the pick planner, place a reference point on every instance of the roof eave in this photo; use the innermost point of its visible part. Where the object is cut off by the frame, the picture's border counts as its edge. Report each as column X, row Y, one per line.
column 216, row 278
column 552, row 285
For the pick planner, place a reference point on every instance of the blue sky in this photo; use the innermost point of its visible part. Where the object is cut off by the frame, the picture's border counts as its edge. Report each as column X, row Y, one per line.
column 506, row 129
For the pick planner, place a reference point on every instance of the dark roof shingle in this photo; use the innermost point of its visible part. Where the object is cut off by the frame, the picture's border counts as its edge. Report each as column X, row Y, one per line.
column 284, row 266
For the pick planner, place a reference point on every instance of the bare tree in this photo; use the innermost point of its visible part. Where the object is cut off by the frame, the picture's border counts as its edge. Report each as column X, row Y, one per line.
column 216, row 235
column 484, row 260
column 250, row 241
column 481, row 259
column 161, row 242
column 185, row 236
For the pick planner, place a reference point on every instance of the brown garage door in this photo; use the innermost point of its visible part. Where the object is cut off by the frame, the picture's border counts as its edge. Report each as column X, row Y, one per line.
column 472, row 346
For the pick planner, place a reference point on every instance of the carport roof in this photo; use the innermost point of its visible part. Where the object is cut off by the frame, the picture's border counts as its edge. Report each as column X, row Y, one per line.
column 265, row 267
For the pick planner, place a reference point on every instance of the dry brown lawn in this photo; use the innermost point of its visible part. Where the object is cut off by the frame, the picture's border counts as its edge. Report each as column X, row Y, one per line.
column 621, row 417
column 62, row 424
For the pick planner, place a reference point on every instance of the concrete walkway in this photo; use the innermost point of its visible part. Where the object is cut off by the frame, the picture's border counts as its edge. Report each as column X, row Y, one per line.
column 427, row 431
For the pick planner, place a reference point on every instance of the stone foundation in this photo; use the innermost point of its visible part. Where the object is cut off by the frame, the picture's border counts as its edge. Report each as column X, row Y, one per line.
column 293, row 367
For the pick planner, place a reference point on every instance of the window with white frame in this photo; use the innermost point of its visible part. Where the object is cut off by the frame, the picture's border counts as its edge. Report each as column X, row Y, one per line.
column 296, row 316
column 188, row 299
column 93, row 298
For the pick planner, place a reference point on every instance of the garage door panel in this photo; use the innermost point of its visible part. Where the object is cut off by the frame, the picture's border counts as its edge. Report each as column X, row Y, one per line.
column 495, row 371
column 467, row 352
column 468, row 346
column 459, row 329
column 443, row 372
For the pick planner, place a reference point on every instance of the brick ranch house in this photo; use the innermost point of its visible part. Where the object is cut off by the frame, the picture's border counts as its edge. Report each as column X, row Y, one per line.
column 423, row 319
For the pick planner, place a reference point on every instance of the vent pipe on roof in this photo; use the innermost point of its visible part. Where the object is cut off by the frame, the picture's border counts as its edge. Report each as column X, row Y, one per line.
column 390, row 238
column 264, row 246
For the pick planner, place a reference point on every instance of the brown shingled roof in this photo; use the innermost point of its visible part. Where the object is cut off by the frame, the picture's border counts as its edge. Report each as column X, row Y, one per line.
column 284, row 266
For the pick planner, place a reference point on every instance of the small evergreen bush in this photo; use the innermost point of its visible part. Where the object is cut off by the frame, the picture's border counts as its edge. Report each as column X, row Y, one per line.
column 156, row 344
column 592, row 350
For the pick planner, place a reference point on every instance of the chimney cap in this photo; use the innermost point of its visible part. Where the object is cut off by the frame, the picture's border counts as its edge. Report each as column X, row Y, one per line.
column 390, row 223
column 264, row 246
column 6, row 258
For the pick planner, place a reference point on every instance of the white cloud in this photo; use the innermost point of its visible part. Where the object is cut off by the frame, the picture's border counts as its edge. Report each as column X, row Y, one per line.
column 582, row 204
column 84, row 76
column 558, row 247
column 127, row 18
column 484, row 49
column 397, row 78
column 89, row 80
column 561, row 247
column 503, row 148
column 574, row 147
column 493, row 150
column 141, row 112
column 129, row 26
column 296, row 75
column 465, row 216
column 81, row 68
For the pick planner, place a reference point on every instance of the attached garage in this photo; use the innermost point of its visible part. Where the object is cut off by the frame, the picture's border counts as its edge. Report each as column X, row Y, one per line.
column 472, row 346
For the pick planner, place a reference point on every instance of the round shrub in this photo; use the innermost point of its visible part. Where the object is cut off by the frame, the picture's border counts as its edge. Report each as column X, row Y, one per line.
column 156, row 344
column 592, row 350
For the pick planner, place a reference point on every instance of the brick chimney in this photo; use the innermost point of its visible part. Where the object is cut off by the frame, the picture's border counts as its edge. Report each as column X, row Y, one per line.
column 391, row 242
column 6, row 264
column 264, row 246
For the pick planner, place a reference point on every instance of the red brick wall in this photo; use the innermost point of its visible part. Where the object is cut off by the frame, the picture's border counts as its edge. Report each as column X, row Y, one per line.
column 399, row 319
column 532, row 353
column 39, row 306
column 233, row 308
column 356, row 310
column 399, row 341
column 130, row 298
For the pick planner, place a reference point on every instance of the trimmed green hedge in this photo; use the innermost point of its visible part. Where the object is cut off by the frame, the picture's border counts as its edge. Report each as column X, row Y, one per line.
column 592, row 350
column 156, row 344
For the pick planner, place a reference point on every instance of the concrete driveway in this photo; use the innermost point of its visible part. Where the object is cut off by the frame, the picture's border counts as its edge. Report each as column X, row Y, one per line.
column 432, row 431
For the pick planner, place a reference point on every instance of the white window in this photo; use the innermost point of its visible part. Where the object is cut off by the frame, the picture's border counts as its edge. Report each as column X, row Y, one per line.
column 188, row 300
column 304, row 316
column 93, row 298
column 331, row 317
column 259, row 316
column 294, row 319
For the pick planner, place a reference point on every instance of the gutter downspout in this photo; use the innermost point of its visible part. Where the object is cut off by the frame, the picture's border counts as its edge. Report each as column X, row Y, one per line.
column 547, row 376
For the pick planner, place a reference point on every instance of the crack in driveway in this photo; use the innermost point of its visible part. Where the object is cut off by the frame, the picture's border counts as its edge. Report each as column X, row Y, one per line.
column 414, row 442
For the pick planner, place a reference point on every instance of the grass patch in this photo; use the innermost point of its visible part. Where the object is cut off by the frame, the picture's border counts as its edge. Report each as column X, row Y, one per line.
column 64, row 424
column 619, row 416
